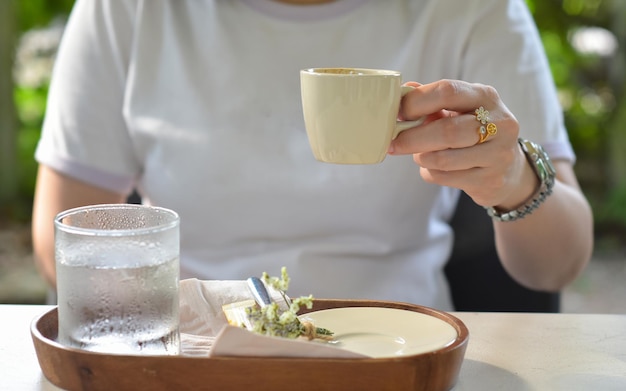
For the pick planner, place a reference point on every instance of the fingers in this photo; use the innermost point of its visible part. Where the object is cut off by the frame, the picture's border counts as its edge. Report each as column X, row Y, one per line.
column 473, row 170
column 441, row 131
column 452, row 95
column 450, row 107
column 451, row 148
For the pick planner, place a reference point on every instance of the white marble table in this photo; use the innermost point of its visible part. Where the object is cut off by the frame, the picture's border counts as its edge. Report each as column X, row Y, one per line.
column 506, row 351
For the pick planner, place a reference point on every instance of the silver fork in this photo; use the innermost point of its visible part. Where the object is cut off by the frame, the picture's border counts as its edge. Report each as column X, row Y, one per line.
column 259, row 291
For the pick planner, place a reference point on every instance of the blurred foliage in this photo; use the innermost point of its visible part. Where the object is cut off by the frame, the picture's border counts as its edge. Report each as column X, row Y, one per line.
column 31, row 106
column 39, row 13
column 591, row 88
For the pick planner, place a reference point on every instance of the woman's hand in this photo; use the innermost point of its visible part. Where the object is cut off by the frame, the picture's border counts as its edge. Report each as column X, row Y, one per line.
column 543, row 251
column 447, row 146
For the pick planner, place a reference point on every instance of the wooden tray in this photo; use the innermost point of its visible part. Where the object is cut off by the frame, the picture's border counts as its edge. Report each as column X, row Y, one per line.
column 75, row 369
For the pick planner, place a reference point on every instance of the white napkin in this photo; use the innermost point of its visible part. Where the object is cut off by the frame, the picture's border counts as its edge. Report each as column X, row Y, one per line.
column 206, row 332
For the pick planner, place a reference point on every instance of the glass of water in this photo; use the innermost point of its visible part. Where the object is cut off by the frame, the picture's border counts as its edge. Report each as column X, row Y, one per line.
column 118, row 273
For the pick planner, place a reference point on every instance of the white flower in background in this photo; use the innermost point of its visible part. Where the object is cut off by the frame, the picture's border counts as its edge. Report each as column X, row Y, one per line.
column 35, row 54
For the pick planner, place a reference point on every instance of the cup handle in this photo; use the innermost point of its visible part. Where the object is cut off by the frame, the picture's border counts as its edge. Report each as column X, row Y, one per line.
column 404, row 125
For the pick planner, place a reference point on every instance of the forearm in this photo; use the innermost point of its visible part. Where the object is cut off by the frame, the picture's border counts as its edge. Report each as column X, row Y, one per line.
column 547, row 249
column 55, row 193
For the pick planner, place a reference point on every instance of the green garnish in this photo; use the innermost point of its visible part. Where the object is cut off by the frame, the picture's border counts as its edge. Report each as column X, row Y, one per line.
column 273, row 321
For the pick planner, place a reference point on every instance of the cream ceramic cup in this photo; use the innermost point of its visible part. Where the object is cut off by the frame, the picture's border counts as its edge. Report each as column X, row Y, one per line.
column 350, row 114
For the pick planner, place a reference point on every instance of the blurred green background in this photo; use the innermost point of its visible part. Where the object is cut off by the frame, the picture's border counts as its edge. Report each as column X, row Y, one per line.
column 585, row 41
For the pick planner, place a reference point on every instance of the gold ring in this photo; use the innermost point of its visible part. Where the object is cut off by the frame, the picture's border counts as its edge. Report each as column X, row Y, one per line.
column 487, row 128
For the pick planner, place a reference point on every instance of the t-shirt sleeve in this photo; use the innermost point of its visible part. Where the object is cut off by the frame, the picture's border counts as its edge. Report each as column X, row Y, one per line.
column 504, row 50
column 84, row 134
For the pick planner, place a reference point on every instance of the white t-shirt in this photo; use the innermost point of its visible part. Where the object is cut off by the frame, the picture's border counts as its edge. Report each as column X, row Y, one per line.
column 197, row 104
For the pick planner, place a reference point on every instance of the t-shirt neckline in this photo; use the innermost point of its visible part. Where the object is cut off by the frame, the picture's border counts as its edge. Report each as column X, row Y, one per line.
column 303, row 13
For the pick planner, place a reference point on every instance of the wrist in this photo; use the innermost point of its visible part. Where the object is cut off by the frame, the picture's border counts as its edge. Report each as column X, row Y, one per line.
column 527, row 185
column 544, row 172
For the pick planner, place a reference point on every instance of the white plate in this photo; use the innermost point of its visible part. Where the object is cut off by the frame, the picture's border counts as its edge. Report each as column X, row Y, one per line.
column 384, row 332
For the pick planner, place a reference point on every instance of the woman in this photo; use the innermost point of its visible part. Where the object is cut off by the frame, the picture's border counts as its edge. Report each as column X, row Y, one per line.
column 197, row 105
